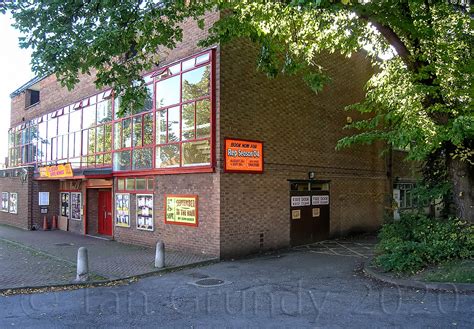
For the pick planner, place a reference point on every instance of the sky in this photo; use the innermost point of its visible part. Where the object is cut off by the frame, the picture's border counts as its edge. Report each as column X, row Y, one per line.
column 15, row 70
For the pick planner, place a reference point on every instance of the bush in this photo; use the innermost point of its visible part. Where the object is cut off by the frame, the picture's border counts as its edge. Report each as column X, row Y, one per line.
column 415, row 241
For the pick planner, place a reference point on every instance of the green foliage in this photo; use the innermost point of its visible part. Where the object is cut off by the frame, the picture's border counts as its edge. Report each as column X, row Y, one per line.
column 415, row 241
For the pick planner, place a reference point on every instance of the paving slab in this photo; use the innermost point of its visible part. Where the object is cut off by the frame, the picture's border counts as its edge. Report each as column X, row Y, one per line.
column 108, row 259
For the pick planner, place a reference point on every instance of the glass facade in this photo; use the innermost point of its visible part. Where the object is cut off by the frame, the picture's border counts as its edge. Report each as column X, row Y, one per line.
column 171, row 130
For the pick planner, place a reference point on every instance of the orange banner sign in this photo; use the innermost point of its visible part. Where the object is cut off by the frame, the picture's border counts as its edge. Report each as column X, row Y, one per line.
column 243, row 156
column 58, row 171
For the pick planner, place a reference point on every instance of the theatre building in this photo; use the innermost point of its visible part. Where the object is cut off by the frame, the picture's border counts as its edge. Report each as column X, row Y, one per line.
column 220, row 160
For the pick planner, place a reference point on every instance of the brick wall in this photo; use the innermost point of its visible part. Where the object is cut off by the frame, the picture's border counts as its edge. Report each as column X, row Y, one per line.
column 52, row 187
column 300, row 131
column 15, row 184
column 203, row 239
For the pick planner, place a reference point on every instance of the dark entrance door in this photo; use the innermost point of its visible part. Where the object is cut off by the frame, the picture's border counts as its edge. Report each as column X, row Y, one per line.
column 105, row 213
column 309, row 212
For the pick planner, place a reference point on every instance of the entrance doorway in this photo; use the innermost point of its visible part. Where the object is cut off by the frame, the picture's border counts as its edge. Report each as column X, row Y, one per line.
column 309, row 211
column 104, row 213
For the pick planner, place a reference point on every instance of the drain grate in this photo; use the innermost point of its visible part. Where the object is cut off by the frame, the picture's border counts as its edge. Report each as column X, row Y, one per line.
column 64, row 244
column 209, row 282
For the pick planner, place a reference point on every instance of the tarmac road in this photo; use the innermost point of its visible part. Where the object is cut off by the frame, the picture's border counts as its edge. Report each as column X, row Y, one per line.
column 297, row 289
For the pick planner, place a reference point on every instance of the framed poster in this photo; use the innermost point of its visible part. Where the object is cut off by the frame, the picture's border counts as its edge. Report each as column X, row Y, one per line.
column 181, row 209
column 64, row 200
column 243, row 156
column 145, row 212
column 5, row 198
column 13, row 207
column 122, row 209
column 76, row 206
column 43, row 199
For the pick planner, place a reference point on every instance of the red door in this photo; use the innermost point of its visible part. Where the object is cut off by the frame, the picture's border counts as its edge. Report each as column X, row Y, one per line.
column 105, row 213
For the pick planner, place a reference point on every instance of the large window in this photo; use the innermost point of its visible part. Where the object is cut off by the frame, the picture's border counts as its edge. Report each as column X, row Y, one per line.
column 183, row 114
column 171, row 129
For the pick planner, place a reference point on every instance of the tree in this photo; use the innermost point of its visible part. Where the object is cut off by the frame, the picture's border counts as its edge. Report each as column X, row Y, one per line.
column 421, row 99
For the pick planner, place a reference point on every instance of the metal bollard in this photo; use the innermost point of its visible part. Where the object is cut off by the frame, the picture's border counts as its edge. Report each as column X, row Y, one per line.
column 82, row 265
column 160, row 255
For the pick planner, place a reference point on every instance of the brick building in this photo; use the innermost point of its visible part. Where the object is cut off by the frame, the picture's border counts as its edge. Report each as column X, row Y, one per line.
column 219, row 161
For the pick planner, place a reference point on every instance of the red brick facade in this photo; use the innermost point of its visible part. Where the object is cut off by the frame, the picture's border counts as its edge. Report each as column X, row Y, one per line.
column 242, row 213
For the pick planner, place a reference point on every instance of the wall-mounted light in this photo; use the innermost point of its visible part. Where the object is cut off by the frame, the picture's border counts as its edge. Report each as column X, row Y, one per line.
column 311, row 175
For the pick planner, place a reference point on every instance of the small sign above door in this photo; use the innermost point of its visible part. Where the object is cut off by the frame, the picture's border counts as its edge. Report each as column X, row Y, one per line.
column 317, row 200
column 300, row 201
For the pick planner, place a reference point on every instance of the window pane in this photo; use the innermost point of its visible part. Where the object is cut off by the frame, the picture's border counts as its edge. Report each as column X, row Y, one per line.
column 202, row 59
column 77, row 142
column 150, row 183
column 108, row 137
column 141, row 184
column 117, row 135
column 137, row 131
column 85, row 142
column 88, row 117
column 188, row 121
column 92, row 141
column 161, row 127
column 148, row 104
column 127, row 133
column 203, row 119
column 63, row 124
column 100, row 139
column 75, row 121
column 167, row 156
column 65, row 146
column 173, row 124
column 52, row 127
column 107, row 159
column 121, row 184
column 99, row 160
column 196, row 153
column 118, row 107
column 196, row 83
column 148, row 129
column 104, row 111
column 121, row 161
column 167, row 92
column 188, row 64
column 42, row 131
column 130, row 183
column 142, row 159
column 175, row 69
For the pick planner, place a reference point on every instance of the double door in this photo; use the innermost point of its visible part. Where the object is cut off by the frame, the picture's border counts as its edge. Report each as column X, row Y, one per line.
column 309, row 214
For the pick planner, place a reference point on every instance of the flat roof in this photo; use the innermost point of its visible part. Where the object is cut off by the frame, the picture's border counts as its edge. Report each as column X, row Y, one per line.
column 27, row 85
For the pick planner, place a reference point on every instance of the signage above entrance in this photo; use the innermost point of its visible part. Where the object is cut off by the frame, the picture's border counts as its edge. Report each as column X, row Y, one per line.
column 57, row 171
column 243, row 156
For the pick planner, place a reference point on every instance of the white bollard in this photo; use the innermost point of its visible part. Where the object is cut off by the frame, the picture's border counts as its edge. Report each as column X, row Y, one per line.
column 160, row 255
column 82, row 265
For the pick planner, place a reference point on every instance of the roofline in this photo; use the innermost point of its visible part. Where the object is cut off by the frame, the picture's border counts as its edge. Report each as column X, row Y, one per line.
column 27, row 85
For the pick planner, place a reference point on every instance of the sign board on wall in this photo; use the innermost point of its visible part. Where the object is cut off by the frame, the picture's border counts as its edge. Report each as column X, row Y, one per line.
column 300, row 201
column 181, row 209
column 57, row 171
column 243, row 156
column 13, row 203
column 320, row 200
column 5, row 199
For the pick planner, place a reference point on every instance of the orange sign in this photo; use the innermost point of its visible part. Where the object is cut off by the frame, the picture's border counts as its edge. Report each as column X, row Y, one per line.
column 243, row 156
column 58, row 171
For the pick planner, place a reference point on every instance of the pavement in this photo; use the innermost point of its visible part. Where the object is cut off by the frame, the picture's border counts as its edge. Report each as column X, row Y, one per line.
column 36, row 258
column 299, row 288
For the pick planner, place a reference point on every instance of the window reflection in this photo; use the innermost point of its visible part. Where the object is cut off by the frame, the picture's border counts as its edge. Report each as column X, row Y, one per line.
column 196, row 83
column 167, row 92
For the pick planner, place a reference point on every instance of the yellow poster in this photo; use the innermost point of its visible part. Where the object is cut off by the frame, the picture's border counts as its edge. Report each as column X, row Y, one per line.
column 181, row 209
